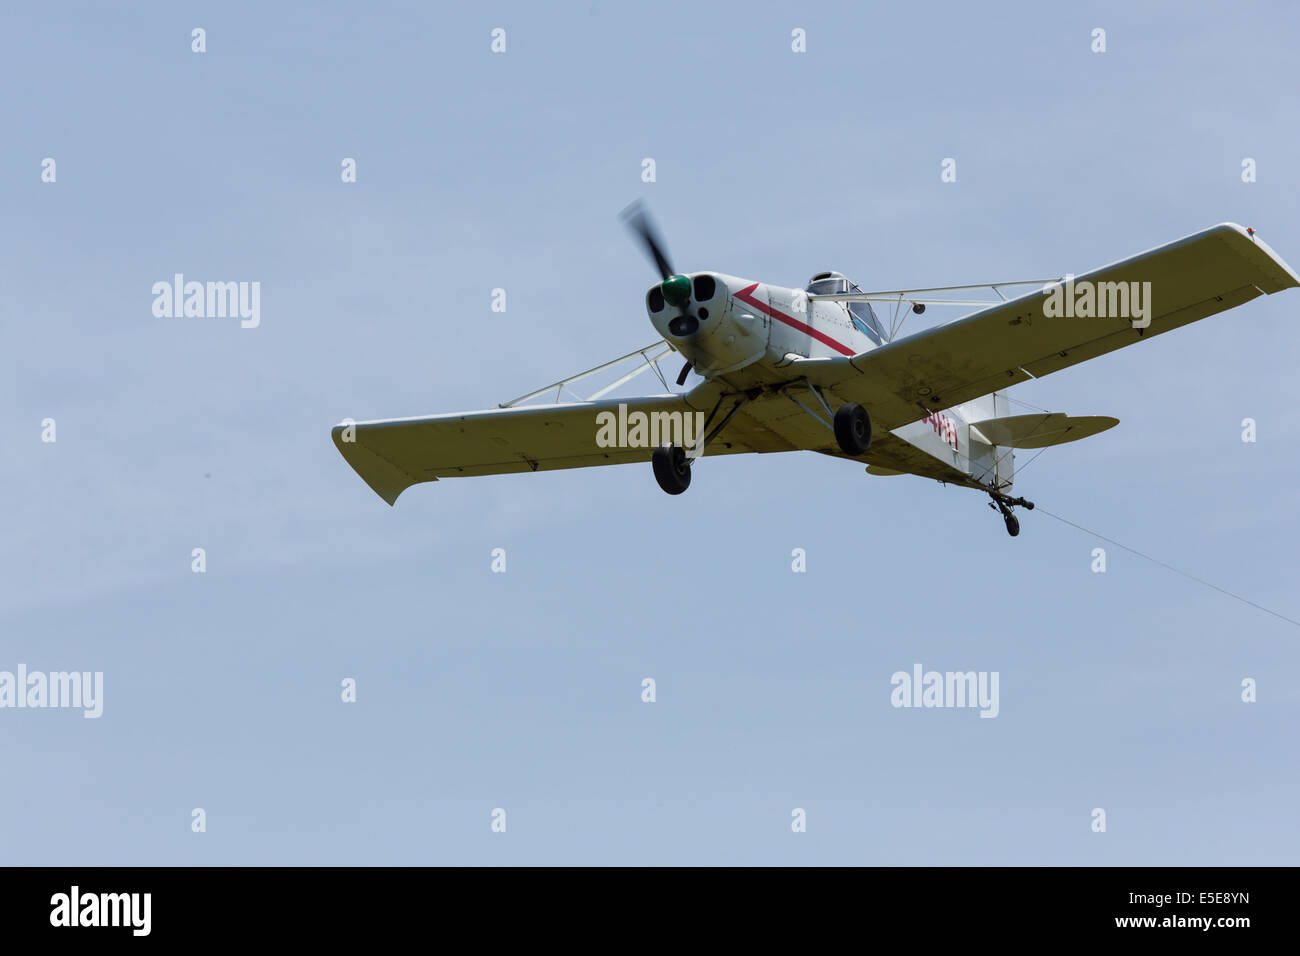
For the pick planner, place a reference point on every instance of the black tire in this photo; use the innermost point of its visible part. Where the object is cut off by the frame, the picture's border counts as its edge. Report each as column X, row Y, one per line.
column 1013, row 525
column 852, row 429
column 672, row 468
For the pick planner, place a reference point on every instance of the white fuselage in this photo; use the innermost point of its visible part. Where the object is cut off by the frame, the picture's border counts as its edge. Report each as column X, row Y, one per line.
column 749, row 330
column 749, row 334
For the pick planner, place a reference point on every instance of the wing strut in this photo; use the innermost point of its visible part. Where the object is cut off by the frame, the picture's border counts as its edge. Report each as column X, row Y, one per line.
column 917, row 299
column 651, row 356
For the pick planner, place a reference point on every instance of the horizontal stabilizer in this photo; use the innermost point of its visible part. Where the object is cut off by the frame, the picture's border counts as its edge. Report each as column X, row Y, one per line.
column 1041, row 430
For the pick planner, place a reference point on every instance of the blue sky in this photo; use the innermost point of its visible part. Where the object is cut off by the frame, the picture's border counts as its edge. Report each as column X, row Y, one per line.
column 523, row 690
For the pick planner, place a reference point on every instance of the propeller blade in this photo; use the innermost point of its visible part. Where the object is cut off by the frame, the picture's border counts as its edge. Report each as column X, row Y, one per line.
column 636, row 219
column 686, row 370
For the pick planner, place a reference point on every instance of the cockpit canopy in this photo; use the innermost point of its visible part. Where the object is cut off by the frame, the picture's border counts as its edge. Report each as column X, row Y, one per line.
column 827, row 283
column 864, row 318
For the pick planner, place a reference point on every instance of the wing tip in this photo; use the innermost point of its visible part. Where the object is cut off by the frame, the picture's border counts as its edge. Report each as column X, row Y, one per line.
column 1283, row 275
column 385, row 480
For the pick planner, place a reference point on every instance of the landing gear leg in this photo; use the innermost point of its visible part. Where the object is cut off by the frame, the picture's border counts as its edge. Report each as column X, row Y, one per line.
column 672, row 463
column 850, row 423
column 1004, row 504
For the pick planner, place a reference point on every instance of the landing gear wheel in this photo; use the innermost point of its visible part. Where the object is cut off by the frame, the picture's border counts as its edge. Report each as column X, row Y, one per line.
column 852, row 429
column 1004, row 504
column 672, row 468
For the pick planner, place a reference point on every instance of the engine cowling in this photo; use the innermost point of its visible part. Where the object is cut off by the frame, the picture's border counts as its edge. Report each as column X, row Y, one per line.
column 714, row 330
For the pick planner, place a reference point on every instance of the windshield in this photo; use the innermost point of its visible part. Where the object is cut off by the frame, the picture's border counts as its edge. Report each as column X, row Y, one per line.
column 864, row 318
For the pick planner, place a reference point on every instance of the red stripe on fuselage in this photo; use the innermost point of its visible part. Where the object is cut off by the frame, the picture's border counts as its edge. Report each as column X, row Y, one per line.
column 747, row 296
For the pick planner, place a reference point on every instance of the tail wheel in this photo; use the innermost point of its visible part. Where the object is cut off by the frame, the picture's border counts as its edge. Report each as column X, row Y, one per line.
column 852, row 429
column 672, row 468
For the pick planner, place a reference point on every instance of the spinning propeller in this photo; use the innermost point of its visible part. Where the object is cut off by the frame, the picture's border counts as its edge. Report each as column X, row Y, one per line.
column 676, row 288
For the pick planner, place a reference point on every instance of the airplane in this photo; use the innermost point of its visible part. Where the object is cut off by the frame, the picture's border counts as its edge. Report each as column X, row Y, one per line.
column 815, row 369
